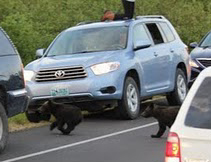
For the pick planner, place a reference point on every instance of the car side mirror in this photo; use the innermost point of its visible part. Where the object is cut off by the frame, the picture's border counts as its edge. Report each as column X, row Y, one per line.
column 40, row 53
column 193, row 45
column 141, row 44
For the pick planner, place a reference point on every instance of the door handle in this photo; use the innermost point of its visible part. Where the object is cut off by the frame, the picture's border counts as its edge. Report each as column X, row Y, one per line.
column 171, row 50
column 155, row 54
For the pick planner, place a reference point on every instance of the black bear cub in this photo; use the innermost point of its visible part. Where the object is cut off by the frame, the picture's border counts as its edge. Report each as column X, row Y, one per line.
column 69, row 115
column 165, row 115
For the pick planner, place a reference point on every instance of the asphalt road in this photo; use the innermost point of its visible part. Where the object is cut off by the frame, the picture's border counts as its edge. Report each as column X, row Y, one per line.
column 99, row 138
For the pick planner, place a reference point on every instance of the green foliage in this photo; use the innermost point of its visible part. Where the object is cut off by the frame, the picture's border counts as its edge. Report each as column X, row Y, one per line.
column 33, row 24
column 18, row 119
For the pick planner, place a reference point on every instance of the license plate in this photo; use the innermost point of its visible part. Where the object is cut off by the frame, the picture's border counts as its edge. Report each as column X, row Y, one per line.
column 59, row 92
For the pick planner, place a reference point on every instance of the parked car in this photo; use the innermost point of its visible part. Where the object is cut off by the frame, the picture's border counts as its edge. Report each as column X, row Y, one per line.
column 13, row 95
column 111, row 64
column 189, row 139
column 200, row 56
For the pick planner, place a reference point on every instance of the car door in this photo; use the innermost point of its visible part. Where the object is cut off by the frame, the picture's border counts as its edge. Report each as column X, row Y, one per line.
column 160, row 65
column 145, row 57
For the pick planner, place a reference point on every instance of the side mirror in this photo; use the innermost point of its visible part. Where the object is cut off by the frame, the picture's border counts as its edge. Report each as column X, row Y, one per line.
column 141, row 44
column 193, row 45
column 40, row 53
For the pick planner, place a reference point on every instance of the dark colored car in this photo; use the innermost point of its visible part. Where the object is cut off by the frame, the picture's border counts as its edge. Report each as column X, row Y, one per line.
column 200, row 56
column 13, row 96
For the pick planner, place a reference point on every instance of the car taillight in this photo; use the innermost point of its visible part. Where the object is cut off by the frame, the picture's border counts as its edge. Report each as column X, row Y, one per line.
column 173, row 148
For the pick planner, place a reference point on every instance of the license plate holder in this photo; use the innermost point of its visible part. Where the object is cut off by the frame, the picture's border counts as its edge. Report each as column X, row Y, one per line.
column 58, row 92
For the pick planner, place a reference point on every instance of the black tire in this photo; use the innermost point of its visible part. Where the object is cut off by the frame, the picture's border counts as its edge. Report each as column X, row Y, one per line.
column 177, row 96
column 126, row 110
column 36, row 117
column 3, row 128
column 33, row 117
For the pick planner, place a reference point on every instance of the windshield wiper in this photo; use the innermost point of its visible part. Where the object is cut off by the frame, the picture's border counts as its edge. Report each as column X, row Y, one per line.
column 85, row 51
column 204, row 47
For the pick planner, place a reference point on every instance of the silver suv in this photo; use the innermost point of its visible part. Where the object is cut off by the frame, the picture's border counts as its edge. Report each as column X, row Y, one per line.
column 111, row 64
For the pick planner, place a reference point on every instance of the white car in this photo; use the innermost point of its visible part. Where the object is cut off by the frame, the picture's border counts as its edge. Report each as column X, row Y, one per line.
column 189, row 139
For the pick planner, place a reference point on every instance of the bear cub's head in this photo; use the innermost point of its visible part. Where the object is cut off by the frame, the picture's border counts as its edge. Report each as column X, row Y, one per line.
column 45, row 108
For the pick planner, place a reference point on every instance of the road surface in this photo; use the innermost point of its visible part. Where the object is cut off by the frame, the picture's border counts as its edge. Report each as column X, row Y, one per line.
column 99, row 138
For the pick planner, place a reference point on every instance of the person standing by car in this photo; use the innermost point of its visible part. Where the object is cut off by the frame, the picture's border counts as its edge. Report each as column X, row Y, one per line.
column 128, row 5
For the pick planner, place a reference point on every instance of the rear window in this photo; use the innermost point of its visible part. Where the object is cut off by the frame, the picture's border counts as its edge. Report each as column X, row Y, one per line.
column 169, row 34
column 199, row 113
column 6, row 47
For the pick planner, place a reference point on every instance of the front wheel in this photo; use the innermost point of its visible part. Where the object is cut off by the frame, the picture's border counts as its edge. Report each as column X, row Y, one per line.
column 3, row 128
column 180, row 91
column 129, row 105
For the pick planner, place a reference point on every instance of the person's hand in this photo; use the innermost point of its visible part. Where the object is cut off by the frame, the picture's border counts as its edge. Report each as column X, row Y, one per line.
column 108, row 15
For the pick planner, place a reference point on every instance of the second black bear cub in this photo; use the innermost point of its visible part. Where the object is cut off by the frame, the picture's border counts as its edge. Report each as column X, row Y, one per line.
column 64, row 114
column 165, row 115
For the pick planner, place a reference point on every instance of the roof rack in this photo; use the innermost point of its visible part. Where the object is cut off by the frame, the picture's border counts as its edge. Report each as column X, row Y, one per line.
column 150, row 17
column 86, row 22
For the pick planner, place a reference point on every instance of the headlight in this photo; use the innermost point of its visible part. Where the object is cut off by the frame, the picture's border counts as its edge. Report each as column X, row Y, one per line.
column 28, row 75
column 193, row 64
column 104, row 68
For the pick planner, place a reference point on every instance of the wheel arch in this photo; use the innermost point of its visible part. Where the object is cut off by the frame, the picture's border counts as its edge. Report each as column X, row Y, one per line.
column 3, row 97
column 182, row 66
column 134, row 74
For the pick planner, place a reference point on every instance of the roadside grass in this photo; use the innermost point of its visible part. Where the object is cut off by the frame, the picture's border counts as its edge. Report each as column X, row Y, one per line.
column 20, row 122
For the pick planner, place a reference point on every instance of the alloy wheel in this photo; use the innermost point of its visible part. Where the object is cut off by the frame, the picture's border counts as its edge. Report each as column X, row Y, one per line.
column 181, row 87
column 132, row 98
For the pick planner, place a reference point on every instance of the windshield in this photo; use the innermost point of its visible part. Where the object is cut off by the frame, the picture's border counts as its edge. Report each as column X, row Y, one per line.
column 199, row 113
column 206, row 42
column 90, row 40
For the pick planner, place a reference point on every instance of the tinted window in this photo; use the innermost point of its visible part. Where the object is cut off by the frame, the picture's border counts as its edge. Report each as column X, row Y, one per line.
column 167, row 31
column 155, row 33
column 140, row 33
column 6, row 47
column 199, row 113
column 206, row 42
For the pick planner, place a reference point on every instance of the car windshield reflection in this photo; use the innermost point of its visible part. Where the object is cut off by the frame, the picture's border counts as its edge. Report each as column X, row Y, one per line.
column 90, row 40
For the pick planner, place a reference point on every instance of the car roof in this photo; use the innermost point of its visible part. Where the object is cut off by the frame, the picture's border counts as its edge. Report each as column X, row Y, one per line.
column 87, row 25
column 138, row 19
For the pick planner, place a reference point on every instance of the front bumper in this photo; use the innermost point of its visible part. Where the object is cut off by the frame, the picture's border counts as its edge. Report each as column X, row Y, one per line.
column 104, row 87
column 194, row 74
column 17, row 102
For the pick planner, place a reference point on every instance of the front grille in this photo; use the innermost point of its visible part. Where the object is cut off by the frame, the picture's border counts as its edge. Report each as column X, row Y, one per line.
column 65, row 73
column 205, row 62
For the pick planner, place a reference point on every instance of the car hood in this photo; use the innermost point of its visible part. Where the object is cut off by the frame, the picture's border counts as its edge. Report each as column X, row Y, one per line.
column 199, row 52
column 85, row 59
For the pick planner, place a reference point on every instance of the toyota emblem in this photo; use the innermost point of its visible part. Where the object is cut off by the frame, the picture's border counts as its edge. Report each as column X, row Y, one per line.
column 59, row 74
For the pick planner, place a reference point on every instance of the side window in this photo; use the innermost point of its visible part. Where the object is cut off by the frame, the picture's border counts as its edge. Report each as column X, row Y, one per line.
column 199, row 113
column 139, row 33
column 6, row 48
column 155, row 33
column 167, row 31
